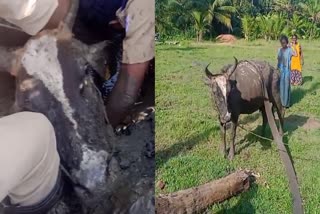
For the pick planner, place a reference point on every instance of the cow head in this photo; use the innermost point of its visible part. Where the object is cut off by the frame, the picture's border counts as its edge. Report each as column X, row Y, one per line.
column 51, row 80
column 220, row 85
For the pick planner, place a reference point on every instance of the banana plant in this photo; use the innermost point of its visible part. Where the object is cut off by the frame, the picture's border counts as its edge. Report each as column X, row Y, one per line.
column 248, row 28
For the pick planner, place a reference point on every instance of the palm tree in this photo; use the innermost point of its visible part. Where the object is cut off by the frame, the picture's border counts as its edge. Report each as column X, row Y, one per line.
column 200, row 23
column 220, row 11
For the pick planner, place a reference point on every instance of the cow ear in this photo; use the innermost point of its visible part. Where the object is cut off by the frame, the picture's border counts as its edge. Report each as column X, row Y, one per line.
column 233, row 68
column 208, row 73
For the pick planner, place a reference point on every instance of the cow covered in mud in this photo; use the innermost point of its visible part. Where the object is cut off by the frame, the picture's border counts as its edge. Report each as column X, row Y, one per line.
column 51, row 79
column 240, row 89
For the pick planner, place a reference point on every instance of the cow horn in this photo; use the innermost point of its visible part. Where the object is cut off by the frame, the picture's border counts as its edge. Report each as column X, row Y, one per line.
column 230, row 71
column 208, row 73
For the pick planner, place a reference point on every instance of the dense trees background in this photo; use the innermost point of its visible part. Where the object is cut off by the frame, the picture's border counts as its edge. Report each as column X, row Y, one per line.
column 249, row 19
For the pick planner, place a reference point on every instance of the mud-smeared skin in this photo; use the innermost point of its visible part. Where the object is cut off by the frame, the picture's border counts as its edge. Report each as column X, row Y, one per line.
column 256, row 87
column 44, row 65
column 115, row 170
column 84, row 109
column 246, row 95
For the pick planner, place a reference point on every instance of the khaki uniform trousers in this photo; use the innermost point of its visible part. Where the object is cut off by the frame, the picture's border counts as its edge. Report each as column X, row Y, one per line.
column 29, row 161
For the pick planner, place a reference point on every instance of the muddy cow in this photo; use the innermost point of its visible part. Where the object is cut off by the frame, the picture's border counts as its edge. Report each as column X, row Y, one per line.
column 51, row 80
column 239, row 89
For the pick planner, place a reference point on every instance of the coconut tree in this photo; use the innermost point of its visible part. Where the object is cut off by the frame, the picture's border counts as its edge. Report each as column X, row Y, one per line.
column 200, row 23
column 220, row 11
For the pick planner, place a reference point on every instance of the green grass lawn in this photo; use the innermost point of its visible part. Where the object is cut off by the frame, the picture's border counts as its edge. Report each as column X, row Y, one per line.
column 188, row 136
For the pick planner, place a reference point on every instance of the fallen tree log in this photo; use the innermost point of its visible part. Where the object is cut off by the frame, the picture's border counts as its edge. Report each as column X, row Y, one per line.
column 197, row 199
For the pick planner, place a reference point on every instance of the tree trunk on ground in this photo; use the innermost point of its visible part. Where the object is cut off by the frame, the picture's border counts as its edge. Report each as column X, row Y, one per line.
column 197, row 199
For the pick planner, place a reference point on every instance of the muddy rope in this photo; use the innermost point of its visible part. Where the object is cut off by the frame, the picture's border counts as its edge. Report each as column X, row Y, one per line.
column 293, row 181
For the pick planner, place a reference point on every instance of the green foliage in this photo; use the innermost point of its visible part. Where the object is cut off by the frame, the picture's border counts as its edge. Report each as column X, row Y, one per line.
column 248, row 27
column 250, row 19
column 196, row 16
column 220, row 11
column 188, row 133
column 200, row 23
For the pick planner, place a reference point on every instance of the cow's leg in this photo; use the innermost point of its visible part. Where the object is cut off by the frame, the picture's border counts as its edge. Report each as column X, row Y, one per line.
column 280, row 112
column 280, row 115
column 276, row 102
column 223, row 146
column 233, row 138
column 264, row 121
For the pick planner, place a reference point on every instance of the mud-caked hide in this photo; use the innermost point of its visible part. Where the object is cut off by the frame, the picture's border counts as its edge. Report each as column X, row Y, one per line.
column 51, row 80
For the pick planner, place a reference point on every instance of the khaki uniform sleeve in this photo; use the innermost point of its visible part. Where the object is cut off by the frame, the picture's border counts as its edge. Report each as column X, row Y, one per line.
column 30, row 15
column 138, row 18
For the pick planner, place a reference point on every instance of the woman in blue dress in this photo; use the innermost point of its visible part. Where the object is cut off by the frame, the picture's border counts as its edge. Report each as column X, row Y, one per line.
column 284, row 65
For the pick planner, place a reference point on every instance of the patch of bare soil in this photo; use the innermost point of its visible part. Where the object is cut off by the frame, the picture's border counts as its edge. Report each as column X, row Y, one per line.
column 307, row 123
column 311, row 123
column 226, row 38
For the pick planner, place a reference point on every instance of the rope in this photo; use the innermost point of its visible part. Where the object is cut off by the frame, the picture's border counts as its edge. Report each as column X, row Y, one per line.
column 251, row 132
column 259, row 136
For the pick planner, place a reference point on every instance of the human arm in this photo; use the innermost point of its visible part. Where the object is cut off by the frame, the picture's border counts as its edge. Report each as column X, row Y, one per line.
column 138, row 50
column 33, row 16
column 293, row 51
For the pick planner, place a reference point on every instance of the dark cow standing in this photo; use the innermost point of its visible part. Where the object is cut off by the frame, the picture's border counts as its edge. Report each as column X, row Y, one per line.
column 239, row 89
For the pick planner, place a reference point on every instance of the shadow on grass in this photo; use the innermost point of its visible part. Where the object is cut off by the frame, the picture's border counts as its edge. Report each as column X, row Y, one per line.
column 163, row 156
column 307, row 79
column 250, row 139
column 251, row 118
column 177, row 48
column 291, row 123
column 298, row 93
column 244, row 204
